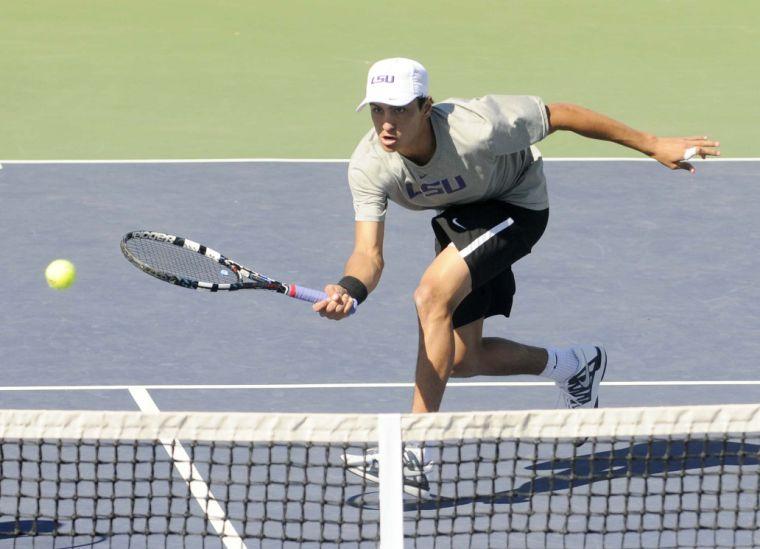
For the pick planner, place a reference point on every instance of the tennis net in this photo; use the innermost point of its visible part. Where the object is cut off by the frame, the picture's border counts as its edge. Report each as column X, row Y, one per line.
column 646, row 477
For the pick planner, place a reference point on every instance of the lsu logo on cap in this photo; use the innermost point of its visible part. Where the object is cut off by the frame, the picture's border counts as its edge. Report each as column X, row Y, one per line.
column 383, row 79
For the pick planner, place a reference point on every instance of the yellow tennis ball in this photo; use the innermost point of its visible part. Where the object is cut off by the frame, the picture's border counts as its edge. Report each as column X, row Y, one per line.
column 60, row 274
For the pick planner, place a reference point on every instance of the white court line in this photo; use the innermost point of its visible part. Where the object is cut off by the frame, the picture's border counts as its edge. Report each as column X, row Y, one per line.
column 301, row 386
column 187, row 470
column 184, row 161
column 332, row 160
column 633, row 159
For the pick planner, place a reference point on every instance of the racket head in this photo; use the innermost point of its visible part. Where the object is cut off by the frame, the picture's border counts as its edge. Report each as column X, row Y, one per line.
column 188, row 264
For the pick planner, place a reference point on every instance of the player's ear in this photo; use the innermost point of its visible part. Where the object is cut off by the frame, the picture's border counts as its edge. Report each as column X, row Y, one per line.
column 427, row 107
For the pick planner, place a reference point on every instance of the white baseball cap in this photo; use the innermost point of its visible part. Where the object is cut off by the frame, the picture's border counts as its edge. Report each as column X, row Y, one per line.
column 396, row 81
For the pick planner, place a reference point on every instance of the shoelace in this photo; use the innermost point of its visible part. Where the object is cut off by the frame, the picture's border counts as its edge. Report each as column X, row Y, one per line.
column 574, row 389
column 412, row 465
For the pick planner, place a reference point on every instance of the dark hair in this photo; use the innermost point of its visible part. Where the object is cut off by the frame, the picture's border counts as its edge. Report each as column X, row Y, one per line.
column 421, row 101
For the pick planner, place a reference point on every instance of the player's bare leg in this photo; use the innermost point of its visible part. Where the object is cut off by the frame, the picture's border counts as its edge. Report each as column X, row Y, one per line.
column 576, row 370
column 445, row 283
column 444, row 352
column 475, row 355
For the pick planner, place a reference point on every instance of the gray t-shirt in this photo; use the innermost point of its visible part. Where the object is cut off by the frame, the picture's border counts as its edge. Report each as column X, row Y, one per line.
column 483, row 152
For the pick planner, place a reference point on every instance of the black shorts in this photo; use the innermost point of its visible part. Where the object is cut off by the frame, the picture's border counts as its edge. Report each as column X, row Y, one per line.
column 490, row 237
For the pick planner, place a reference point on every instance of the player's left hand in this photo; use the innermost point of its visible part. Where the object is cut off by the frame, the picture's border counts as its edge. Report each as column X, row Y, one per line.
column 675, row 152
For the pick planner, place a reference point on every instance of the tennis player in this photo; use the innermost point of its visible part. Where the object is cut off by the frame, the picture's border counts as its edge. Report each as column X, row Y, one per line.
column 474, row 161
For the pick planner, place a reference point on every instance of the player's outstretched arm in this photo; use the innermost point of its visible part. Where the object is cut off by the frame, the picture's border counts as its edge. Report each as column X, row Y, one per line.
column 672, row 152
column 363, row 268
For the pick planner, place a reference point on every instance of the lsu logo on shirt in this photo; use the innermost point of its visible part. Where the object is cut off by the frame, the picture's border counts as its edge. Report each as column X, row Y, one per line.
column 442, row 186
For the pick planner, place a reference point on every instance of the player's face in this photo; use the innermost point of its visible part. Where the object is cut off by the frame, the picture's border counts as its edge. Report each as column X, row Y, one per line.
column 400, row 129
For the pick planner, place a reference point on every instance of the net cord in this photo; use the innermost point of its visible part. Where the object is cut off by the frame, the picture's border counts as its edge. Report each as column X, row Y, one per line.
column 343, row 428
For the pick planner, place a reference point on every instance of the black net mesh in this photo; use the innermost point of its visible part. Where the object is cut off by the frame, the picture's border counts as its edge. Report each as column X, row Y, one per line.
column 699, row 491
column 640, row 490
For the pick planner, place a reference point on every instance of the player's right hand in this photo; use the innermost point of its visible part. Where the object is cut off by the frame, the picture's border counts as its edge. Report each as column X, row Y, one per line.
column 675, row 152
column 337, row 305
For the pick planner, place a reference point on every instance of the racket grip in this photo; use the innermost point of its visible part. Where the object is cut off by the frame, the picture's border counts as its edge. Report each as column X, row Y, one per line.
column 312, row 296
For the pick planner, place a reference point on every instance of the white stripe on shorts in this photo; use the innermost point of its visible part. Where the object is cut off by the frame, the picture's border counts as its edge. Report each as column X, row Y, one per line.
column 482, row 239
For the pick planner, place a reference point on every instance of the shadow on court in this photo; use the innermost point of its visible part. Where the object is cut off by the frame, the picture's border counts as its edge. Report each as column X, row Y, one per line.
column 642, row 470
column 14, row 529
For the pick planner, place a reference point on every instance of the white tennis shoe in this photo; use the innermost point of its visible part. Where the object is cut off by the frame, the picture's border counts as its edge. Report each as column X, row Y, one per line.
column 581, row 390
column 367, row 465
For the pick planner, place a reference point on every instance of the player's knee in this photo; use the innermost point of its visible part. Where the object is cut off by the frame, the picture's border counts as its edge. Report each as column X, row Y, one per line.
column 430, row 301
column 465, row 364
column 462, row 369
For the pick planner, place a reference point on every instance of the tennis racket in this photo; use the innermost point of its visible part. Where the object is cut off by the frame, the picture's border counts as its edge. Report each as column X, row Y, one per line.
column 191, row 265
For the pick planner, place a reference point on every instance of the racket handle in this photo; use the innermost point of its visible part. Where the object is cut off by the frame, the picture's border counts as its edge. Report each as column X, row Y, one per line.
column 312, row 296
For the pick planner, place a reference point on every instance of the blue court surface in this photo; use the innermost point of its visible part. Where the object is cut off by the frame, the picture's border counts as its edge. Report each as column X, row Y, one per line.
column 659, row 266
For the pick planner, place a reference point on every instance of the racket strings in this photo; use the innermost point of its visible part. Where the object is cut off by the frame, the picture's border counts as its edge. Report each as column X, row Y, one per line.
column 180, row 262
